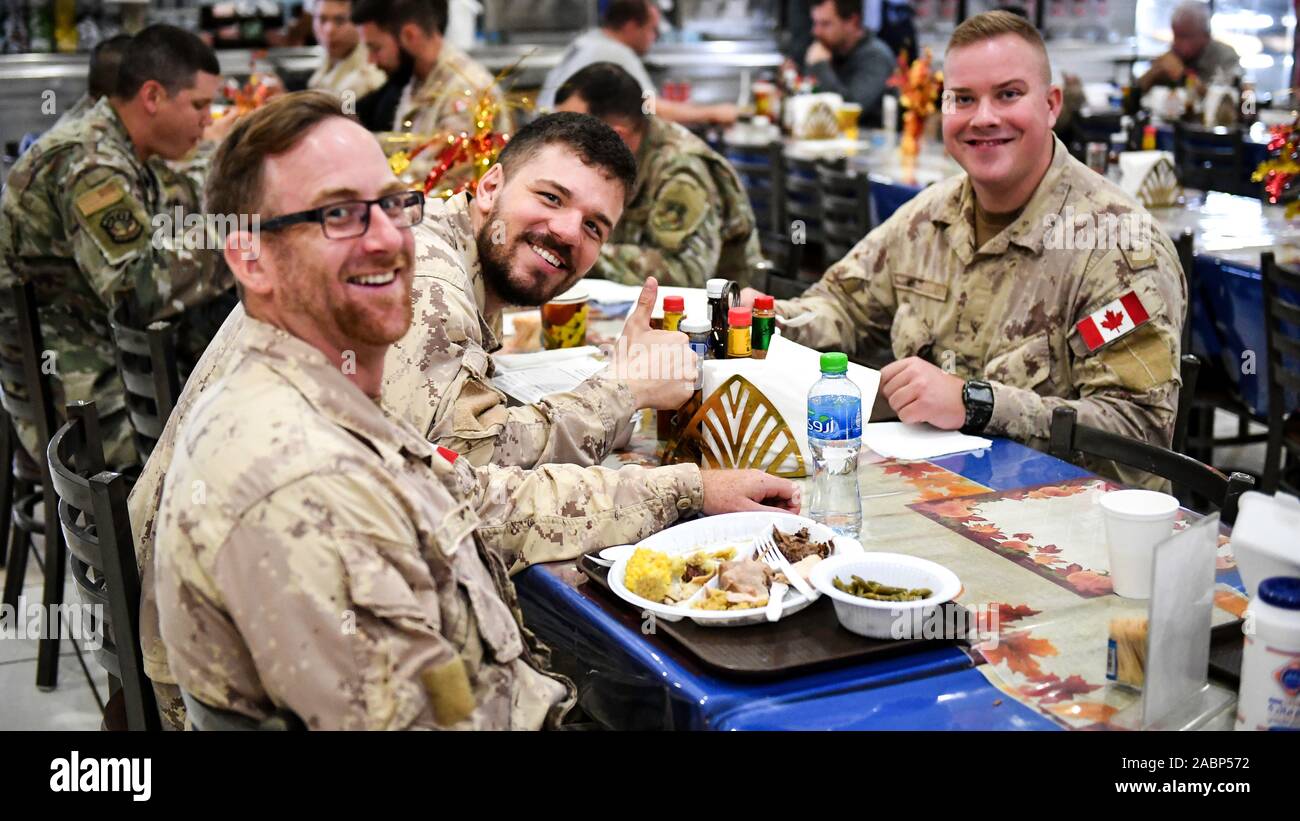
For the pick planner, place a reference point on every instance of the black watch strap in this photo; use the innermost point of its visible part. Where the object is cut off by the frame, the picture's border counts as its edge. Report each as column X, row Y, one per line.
column 977, row 396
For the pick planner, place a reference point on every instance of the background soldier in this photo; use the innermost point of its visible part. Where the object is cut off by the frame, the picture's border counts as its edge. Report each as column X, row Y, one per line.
column 688, row 218
column 77, row 220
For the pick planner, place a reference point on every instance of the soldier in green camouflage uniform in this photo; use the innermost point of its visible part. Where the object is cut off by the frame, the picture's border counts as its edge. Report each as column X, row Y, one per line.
column 688, row 219
column 320, row 554
column 78, row 221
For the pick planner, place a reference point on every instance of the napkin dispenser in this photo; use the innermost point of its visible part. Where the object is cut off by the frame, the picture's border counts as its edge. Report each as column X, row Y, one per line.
column 753, row 413
column 1149, row 177
column 814, row 116
column 1264, row 539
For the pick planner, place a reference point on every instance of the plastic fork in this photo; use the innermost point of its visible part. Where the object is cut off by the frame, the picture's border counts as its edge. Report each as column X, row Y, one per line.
column 765, row 548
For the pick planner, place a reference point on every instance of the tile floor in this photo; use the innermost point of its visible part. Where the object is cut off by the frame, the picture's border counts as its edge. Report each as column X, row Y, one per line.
column 72, row 705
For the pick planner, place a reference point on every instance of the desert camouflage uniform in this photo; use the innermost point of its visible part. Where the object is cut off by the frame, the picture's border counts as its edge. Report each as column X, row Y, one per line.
column 354, row 74
column 688, row 218
column 77, row 220
column 435, row 380
column 330, row 564
column 1007, row 313
column 445, row 102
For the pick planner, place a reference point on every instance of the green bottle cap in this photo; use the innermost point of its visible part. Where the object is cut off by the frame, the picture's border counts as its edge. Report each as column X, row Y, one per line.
column 835, row 363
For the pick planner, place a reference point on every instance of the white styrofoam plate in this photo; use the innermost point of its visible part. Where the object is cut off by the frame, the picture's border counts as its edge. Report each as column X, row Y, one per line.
column 715, row 533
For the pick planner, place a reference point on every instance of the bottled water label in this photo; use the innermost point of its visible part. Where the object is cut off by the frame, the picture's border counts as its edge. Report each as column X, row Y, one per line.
column 834, row 417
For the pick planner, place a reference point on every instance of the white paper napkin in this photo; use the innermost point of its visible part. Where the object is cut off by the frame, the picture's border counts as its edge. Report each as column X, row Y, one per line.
column 898, row 440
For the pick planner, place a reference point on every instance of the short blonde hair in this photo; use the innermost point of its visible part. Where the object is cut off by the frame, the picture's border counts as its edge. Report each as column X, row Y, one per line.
column 993, row 24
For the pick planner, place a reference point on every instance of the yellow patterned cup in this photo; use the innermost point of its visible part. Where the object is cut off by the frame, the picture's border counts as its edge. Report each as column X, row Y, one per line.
column 564, row 320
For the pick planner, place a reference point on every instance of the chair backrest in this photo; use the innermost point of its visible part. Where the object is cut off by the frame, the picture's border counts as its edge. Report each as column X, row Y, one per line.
column 146, row 361
column 1096, row 128
column 93, row 516
column 1282, row 332
column 1185, row 245
column 1189, row 369
column 1069, row 440
column 846, row 208
column 27, row 394
column 1210, row 158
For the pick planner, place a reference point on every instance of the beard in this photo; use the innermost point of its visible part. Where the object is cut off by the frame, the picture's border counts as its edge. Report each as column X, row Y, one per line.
column 495, row 258
column 359, row 322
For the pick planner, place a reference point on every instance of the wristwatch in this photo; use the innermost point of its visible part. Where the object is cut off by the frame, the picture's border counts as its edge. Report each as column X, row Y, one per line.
column 977, row 396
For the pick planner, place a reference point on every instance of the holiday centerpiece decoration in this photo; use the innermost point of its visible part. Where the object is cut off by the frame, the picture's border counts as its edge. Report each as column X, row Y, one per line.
column 1279, row 172
column 918, row 87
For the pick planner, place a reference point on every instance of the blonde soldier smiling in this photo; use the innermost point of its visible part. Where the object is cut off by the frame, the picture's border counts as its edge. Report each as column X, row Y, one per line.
column 992, row 323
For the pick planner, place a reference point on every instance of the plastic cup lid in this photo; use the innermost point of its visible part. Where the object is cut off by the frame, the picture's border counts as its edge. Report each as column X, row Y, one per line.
column 674, row 303
column 695, row 325
column 738, row 317
column 1281, row 591
column 578, row 293
column 764, row 303
column 715, row 287
column 1139, row 505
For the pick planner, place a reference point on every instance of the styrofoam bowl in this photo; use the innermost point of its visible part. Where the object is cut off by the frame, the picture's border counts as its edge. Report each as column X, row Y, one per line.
column 876, row 619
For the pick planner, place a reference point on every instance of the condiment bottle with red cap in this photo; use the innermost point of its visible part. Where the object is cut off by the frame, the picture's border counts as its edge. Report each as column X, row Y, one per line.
column 764, row 326
column 674, row 310
column 738, row 333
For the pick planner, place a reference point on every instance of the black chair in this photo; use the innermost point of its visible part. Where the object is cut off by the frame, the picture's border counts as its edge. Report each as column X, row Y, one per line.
column 1280, row 311
column 1215, row 391
column 1189, row 369
column 783, row 258
column 27, row 397
column 1212, row 159
column 1095, row 128
column 93, row 515
column 146, row 360
column 846, row 208
column 1070, row 441
column 754, row 165
column 205, row 718
column 802, row 205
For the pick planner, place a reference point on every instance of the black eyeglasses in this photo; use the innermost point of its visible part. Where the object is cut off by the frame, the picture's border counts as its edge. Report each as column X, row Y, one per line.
column 344, row 220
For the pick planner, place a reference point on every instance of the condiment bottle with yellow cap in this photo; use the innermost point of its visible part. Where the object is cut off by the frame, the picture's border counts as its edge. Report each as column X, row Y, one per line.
column 738, row 333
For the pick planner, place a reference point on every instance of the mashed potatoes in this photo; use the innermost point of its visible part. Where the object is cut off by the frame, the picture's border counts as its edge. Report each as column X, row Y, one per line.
column 648, row 574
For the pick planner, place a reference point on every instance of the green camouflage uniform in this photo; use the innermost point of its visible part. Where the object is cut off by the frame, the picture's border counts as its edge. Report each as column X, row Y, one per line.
column 688, row 218
column 77, row 221
column 1008, row 312
column 435, row 379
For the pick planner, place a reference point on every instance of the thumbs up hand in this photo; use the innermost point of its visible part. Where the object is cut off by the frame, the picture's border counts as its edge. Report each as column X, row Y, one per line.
column 658, row 366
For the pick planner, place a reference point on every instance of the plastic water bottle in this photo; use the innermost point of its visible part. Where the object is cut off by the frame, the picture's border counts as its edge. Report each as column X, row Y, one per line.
column 835, row 437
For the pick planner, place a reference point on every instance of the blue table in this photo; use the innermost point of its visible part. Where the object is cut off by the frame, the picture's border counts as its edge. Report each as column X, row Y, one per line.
column 634, row 681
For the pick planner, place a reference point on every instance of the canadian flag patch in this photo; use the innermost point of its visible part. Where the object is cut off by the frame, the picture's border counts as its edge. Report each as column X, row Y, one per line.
column 1112, row 320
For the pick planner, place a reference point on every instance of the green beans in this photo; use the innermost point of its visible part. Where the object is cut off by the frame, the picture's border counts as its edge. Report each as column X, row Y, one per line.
column 876, row 591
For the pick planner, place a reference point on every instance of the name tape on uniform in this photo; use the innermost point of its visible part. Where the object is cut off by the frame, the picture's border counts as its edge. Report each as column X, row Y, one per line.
column 1112, row 320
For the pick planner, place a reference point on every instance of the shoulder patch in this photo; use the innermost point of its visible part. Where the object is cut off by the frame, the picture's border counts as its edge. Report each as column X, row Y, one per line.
column 120, row 225
column 678, row 210
column 1140, row 258
column 99, row 198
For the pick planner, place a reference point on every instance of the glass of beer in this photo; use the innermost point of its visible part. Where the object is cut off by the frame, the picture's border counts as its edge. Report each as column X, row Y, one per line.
column 848, row 116
column 564, row 320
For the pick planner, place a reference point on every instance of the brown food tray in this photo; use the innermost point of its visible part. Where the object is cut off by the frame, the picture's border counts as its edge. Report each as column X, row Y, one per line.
column 807, row 641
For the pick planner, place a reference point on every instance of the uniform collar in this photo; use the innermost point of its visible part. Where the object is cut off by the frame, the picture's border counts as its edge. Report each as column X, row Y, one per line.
column 104, row 111
column 328, row 391
column 957, row 211
column 458, row 230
